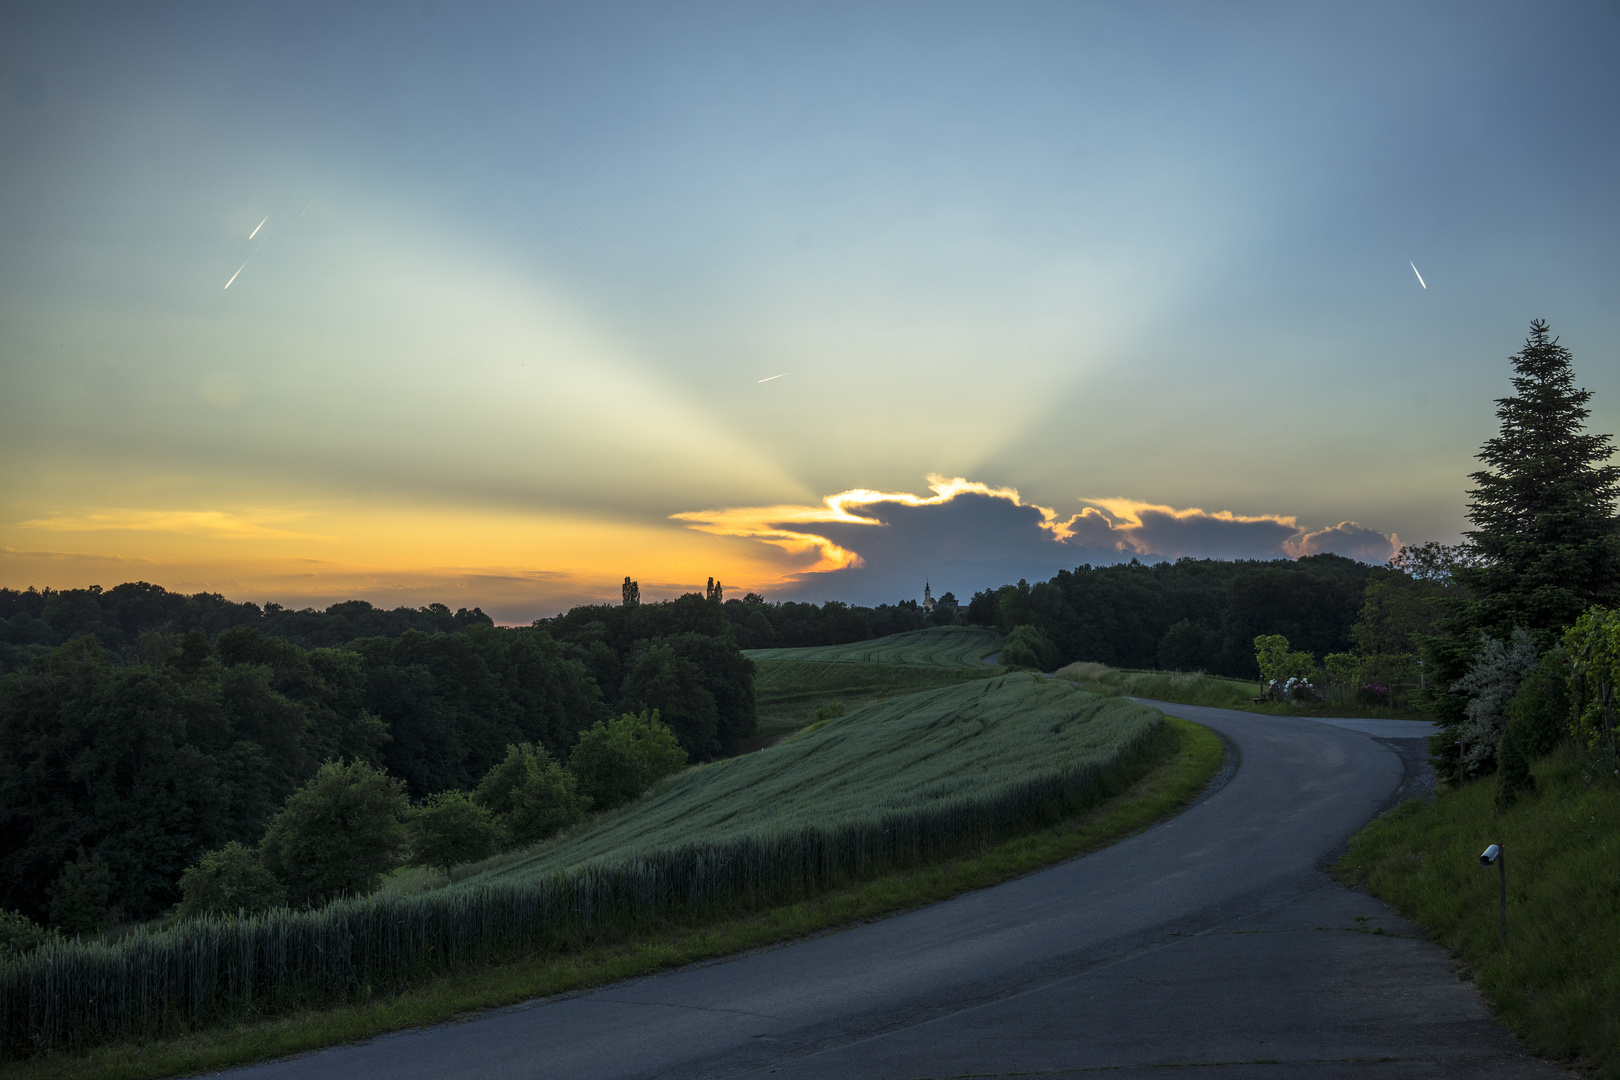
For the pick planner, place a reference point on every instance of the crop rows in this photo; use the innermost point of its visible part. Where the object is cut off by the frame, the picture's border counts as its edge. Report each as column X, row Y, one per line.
column 162, row 983
column 941, row 647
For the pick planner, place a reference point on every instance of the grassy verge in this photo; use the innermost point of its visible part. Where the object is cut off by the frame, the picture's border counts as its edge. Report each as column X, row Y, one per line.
column 1215, row 691
column 1163, row 791
column 1186, row 688
column 1558, row 981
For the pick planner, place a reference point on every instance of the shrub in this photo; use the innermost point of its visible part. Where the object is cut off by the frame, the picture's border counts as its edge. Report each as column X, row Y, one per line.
column 449, row 828
column 19, row 934
column 1539, row 714
column 230, row 880
column 1187, row 646
column 1278, row 663
column 530, row 795
column 1027, row 647
column 338, row 834
column 617, row 761
column 831, row 710
column 81, row 898
column 1492, row 680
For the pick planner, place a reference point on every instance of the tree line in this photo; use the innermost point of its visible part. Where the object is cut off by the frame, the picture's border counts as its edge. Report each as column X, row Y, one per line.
column 120, row 768
column 35, row 621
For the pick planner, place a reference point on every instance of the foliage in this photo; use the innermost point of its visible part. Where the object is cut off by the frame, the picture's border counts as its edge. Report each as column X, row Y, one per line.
column 1593, row 648
column 947, row 647
column 19, row 935
column 338, row 834
column 32, row 621
column 1544, row 546
column 1544, row 508
column 226, row 881
column 454, row 702
column 664, row 945
column 82, row 897
column 1027, row 647
column 1557, row 984
column 617, row 761
column 1186, row 688
column 530, row 795
column 151, row 763
column 702, row 686
column 156, row 983
column 1343, row 669
column 912, row 751
column 1490, row 684
column 450, row 828
column 1187, row 646
column 1539, row 714
column 1278, row 663
column 832, row 710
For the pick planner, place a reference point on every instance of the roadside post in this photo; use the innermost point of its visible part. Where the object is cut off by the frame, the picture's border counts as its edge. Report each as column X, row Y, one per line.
column 1497, row 853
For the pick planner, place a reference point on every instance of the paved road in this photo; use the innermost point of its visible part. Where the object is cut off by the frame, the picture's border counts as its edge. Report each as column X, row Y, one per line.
column 1213, row 945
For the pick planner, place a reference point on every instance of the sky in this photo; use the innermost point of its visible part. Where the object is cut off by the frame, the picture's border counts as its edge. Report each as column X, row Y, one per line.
column 495, row 305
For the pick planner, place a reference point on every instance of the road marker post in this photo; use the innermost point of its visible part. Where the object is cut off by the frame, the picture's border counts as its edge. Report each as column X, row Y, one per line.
column 1497, row 853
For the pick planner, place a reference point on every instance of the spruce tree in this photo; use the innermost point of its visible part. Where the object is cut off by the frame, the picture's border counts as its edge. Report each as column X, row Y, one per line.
column 1544, row 508
column 1544, row 546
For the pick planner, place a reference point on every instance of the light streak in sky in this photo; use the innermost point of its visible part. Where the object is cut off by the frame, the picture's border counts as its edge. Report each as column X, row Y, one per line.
column 1413, row 265
column 243, row 267
column 256, row 229
column 783, row 375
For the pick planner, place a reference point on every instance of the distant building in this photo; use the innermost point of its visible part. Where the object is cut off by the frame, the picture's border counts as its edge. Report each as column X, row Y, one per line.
column 928, row 598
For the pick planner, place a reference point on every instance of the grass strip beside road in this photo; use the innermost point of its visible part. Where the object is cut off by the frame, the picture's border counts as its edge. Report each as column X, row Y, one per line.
column 1557, row 984
column 1196, row 757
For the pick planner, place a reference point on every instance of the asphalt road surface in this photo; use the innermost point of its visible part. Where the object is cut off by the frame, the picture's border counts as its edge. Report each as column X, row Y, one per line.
column 1213, row 945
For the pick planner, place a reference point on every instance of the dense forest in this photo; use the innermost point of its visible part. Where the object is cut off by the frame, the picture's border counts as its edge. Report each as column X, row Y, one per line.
column 1190, row 615
column 140, row 728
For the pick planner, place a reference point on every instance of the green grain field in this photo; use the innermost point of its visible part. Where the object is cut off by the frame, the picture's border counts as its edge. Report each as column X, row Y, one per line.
column 901, row 784
column 907, row 754
column 944, row 646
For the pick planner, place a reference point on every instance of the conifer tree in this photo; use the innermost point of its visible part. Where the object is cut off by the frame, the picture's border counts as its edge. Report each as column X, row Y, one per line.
column 1544, row 508
column 1544, row 546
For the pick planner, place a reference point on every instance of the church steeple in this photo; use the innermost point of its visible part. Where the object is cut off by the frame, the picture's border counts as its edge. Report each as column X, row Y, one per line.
column 928, row 598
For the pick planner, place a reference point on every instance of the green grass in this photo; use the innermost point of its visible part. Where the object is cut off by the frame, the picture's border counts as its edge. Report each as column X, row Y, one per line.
column 1195, row 755
column 1185, row 688
column 942, row 646
column 894, row 786
column 953, row 743
column 1558, row 981
column 789, row 692
column 1216, row 691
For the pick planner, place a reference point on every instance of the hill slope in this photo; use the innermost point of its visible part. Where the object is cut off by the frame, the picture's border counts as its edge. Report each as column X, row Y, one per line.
column 944, row 646
column 944, row 746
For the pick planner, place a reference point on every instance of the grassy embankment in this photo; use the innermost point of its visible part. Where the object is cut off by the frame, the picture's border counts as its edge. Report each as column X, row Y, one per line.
column 790, row 685
column 1558, row 981
column 1216, row 691
column 1187, row 757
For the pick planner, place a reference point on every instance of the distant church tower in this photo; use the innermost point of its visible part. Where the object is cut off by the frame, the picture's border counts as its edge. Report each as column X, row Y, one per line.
column 928, row 598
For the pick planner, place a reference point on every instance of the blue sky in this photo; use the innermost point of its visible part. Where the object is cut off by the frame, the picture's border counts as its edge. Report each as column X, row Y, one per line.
column 522, row 268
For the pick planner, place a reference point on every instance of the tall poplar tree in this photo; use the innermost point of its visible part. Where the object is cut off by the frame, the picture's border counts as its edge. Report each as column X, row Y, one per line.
column 1544, row 546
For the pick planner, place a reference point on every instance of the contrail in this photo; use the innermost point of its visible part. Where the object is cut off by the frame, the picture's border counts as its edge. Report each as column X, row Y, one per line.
column 243, row 267
column 301, row 213
column 1413, row 265
column 783, row 375
column 256, row 229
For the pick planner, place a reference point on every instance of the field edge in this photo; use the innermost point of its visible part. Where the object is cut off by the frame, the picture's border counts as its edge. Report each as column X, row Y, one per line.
column 1164, row 791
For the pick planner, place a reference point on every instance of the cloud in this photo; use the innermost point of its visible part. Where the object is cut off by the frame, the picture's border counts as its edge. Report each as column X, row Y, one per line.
column 1351, row 540
column 871, row 546
column 221, row 524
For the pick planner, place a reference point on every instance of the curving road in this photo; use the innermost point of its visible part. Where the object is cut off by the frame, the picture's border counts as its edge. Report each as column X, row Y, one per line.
column 1213, row 944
